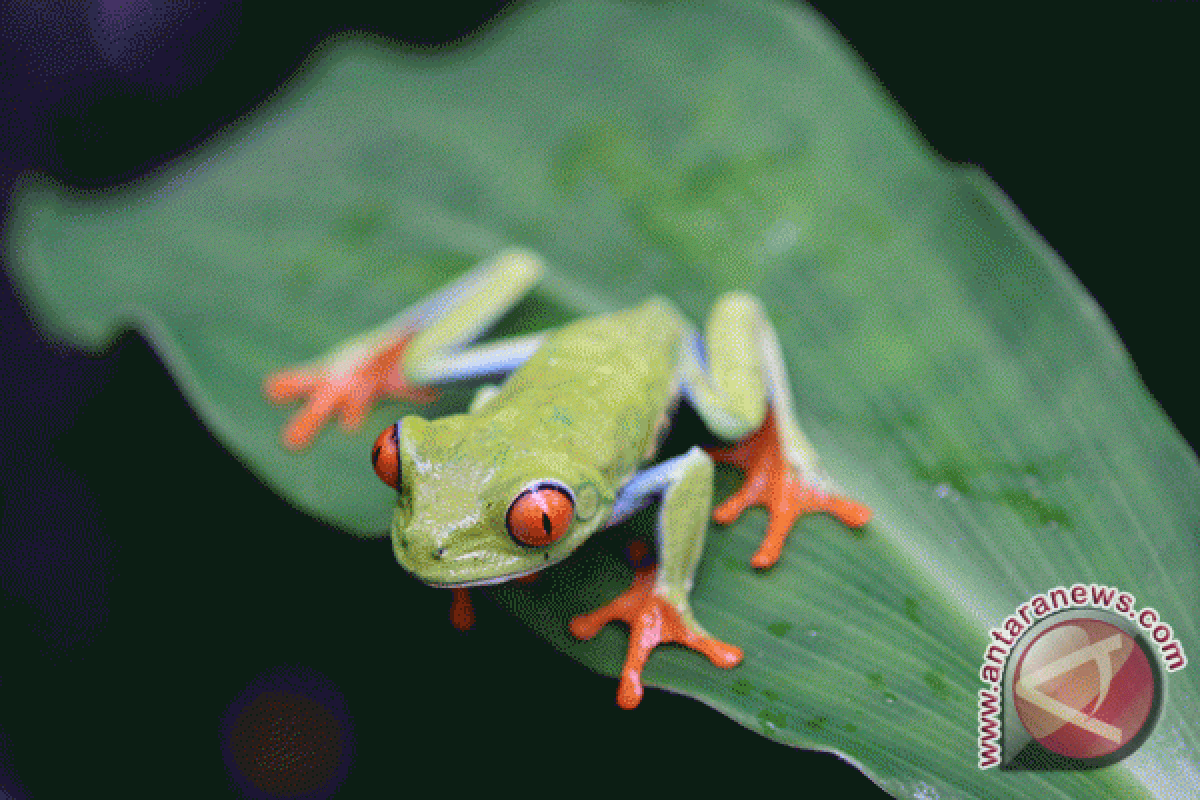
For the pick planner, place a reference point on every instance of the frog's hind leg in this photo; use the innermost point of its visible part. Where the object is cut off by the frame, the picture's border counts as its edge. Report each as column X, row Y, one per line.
column 422, row 345
column 736, row 380
column 656, row 607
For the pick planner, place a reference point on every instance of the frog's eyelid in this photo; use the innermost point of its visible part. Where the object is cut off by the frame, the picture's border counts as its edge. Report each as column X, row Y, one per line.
column 544, row 483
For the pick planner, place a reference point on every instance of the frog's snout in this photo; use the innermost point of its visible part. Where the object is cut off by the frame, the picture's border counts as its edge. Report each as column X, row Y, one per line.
column 419, row 554
column 431, row 556
column 448, row 558
column 405, row 543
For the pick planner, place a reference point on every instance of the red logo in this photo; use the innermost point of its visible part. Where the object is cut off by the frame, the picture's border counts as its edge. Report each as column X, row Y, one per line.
column 1084, row 688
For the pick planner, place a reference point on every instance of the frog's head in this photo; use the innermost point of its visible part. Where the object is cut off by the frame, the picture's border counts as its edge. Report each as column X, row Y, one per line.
column 473, row 508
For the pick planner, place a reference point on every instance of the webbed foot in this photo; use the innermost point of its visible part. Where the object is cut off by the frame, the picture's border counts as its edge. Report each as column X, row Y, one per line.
column 652, row 621
column 773, row 483
column 349, row 382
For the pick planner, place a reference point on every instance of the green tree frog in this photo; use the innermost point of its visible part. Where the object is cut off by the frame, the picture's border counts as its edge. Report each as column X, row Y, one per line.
column 559, row 450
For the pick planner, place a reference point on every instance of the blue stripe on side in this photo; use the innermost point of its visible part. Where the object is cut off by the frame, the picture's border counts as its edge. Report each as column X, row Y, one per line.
column 644, row 487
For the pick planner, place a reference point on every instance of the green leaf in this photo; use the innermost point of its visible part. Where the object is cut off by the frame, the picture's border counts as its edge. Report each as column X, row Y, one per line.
column 949, row 368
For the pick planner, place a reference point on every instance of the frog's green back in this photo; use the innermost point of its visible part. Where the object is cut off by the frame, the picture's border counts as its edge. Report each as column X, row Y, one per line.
column 600, row 387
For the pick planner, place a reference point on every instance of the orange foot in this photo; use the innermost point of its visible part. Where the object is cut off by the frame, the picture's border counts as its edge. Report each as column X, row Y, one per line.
column 462, row 611
column 651, row 621
column 351, row 389
column 770, row 482
column 462, row 608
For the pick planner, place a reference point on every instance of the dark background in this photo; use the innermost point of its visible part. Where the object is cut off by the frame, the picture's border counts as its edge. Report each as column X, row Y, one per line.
column 133, row 614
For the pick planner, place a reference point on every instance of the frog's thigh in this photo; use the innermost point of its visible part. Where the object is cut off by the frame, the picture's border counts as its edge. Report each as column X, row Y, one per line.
column 684, row 484
column 723, row 373
column 737, row 371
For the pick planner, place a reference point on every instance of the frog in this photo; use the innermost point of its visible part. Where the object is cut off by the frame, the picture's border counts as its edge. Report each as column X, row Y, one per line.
column 564, row 446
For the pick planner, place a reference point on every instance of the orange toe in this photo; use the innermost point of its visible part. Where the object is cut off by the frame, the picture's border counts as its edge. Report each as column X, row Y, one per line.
column 652, row 621
column 351, row 391
column 462, row 612
column 771, row 482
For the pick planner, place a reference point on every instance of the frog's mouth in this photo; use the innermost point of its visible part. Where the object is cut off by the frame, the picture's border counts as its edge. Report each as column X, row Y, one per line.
column 440, row 568
column 486, row 581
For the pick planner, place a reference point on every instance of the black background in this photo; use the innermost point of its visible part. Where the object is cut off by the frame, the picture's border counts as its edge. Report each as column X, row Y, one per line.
column 146, row 579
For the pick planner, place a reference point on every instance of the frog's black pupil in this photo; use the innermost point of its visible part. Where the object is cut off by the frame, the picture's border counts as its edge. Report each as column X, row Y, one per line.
column 546, row 525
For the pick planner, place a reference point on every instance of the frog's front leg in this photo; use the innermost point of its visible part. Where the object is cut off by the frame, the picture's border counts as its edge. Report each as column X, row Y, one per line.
column 422, row 345
column 656, row 607
column 736, row 380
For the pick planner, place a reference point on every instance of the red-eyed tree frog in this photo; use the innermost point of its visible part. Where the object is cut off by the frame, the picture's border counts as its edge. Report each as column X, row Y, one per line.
column 559, row 450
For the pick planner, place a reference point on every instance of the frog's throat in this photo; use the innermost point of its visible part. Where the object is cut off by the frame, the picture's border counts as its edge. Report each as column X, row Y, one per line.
column 480, row 581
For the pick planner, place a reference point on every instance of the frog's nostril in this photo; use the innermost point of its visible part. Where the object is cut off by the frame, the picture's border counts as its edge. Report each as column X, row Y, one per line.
column 439, row 553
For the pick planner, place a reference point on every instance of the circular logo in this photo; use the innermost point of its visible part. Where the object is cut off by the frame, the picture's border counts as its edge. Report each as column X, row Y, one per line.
column 1084, row 688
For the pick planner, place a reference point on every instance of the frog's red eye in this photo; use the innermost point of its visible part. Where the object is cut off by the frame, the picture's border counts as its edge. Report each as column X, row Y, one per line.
column 385, row 455
column 540, row 515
